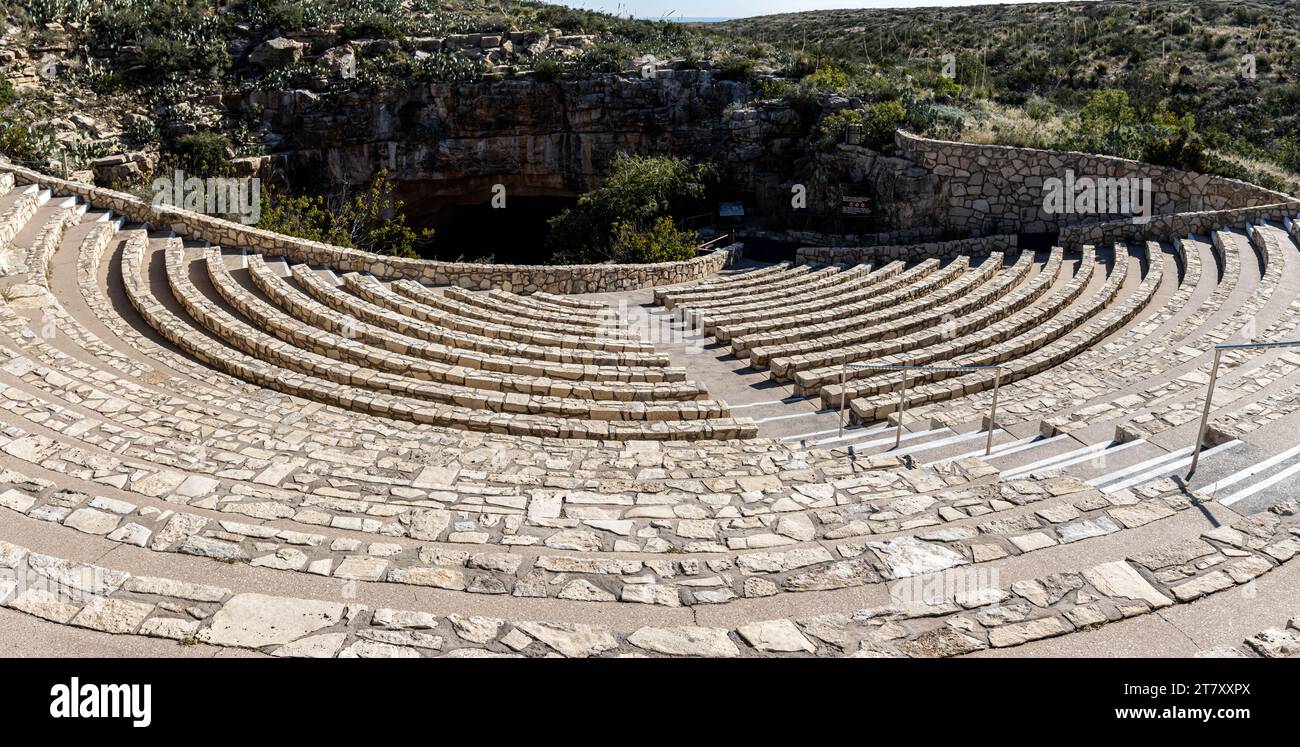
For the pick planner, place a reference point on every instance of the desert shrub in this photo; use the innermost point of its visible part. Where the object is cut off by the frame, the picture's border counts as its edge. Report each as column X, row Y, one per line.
column 548, row 67
column 371, row 220
column 26, row 145
column 827, row 79
column 735, row 67
column 202, row 154
column 661, row 242
column 879, row 123
column 1104, row 125
column 774, row 88
column 639, row 191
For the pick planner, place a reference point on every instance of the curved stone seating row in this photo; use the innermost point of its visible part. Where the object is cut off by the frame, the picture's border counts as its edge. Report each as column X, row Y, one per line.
column 716, row 287
column 66, row 592
column 581, row 305
column 920, row 281
column 1063, row 513
column 1174, row 322
column 1121, row 385
column 506, row 316
column 308, row 351
column 991, row 302
column 1148, row 407
column 306, row 309
column 891, row 281
column 900, row 319
column 1008, row 333
column 23, row 205
column 497, row 301
column 460, row 381
column 727, row 325
column 787, row 280
column 258, row 371
column 829, row 276
column 560, row 461
column 364, row 310
column 376, row 292
column 1036, row 351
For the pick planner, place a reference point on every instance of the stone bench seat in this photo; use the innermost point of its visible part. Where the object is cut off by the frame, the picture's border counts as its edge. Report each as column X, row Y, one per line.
column 452, row 303
column 460, row 380
column 310, row 311
column 1009, row 337
column 1149, row 405
column 1020, row 398
column 917, row 283
column 306, row 354
column 891, row 285
column 900, row 319
column 383, row 316
column 1036, row 351
column 526, row 307
column 809, row 284
column 1010, row 317
column 258, row 371
column 955, row 318
column 372, row 290
column 668, row 297
column 565, row 303
column 734, row 321
column 792, row 276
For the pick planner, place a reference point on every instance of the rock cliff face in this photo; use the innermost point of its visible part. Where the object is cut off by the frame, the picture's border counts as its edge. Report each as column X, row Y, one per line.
column 450, row 143
column 454, row 141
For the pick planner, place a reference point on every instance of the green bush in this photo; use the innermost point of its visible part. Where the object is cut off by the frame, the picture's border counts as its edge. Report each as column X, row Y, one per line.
column 662, row 242
column 876, row 124
column 371, row 221
column 735, row 67
column 203, row 154
column 25, row 144
column 639, row 192
column 827, row 79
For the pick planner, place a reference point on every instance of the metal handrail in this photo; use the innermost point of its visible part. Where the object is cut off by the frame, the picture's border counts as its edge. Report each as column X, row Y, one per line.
column 902, row 393
column 728, row 236
column 1214, row 378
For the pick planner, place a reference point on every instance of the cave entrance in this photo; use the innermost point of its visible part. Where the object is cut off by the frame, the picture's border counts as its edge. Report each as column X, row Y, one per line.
column 515, row 234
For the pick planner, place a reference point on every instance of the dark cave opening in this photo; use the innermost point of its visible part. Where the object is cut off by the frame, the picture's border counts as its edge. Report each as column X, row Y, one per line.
column 514, row 234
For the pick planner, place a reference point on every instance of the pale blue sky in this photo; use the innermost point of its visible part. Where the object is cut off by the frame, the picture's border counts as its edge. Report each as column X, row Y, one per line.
column 740, row 8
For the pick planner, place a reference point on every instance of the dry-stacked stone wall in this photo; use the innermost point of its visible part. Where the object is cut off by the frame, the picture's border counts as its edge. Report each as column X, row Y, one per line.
column 1001, row 189
column 516, row 278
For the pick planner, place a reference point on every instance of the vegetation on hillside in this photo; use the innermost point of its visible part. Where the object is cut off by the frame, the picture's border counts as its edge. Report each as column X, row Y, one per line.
column 630, row 217
column 1209, row 85
column 370, row 220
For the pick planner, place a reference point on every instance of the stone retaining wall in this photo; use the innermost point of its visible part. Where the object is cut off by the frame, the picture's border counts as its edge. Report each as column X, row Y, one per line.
column 988, row 189
column 976, row 247
column 1169, row 227
column 516, row 278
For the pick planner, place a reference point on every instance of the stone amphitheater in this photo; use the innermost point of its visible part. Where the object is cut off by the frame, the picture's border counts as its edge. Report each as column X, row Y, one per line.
column 250, row 444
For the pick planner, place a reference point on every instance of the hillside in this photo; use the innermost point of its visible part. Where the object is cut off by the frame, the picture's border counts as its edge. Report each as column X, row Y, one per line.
column 1024, row 69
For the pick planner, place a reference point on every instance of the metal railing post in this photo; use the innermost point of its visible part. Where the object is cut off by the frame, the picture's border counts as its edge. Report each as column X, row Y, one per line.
column 844, row 397
column 1205, row 412
column 993, row 412
column 902, row 408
